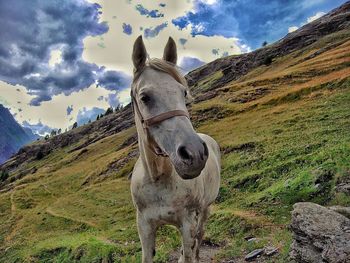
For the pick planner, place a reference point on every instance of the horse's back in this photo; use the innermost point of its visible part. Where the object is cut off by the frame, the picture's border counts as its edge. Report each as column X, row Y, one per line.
column 211, row 173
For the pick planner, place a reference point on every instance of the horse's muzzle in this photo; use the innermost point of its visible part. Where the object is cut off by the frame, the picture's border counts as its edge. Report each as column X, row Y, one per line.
column 191, row 158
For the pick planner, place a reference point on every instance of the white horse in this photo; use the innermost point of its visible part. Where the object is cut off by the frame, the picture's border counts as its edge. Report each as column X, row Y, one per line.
column 177, row 175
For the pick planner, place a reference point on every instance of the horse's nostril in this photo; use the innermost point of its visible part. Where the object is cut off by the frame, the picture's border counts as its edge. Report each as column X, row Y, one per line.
column 205, row 149
column 184, row 153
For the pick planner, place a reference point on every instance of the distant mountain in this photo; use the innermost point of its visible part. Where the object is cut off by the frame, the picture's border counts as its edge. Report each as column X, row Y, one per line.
column 12, row 135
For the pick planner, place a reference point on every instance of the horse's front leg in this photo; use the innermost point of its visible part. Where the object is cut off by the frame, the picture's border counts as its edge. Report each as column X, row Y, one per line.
column 147, row 234
column 189, row 241
column 200, row 230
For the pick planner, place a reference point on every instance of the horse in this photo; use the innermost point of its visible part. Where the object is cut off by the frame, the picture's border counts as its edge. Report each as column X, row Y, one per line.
column 177, row 175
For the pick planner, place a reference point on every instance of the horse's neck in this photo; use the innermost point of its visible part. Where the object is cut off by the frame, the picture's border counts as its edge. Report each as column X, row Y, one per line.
column 155, row 166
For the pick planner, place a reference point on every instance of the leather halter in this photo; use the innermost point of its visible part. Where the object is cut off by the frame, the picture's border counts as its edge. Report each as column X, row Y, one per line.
column 146, row 123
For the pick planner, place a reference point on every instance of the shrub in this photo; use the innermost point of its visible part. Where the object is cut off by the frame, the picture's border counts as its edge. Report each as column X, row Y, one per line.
column 3, row 175
column 267, row 61
column 39, row 155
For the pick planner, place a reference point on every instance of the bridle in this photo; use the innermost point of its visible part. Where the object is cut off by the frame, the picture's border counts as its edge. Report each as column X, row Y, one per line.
column 146, row 123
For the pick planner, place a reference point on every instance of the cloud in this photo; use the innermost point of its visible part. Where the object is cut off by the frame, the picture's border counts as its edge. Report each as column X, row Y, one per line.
column 149, row 13
column 292, row 29
column 252, row 22
column 224, row 54
column 44, row 46
column 85, row 115
column 113, row 100
column 153, row 32
column 116, row 58
column 127, row 29
column 69, row 110
column 316, row 16
column 37, row 128
column 189, row 63
column 215, row 51
column 209, row 2
column 201, row 19
column 124, row 97
column 114, row 80
column 53, row 113
column 183, row 41
column 309, row 20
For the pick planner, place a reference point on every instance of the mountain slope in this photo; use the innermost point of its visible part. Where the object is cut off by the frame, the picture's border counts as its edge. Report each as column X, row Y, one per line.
column 284, row 132
column 12, row 135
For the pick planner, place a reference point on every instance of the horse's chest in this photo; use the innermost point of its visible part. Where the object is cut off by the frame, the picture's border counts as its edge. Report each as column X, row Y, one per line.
column 168, row 204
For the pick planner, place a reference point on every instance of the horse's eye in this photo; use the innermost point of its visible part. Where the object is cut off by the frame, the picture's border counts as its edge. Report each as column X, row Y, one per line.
column 145, row 98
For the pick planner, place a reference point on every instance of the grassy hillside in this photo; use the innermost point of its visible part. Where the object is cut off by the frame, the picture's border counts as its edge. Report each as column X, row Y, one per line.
column 284, row 130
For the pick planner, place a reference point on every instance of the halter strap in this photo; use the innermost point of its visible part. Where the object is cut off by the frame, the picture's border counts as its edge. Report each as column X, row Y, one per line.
column 164, row 116
column 146, row 123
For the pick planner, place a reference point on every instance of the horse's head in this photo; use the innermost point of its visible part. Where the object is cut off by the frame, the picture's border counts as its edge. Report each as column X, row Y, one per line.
column 159, row 95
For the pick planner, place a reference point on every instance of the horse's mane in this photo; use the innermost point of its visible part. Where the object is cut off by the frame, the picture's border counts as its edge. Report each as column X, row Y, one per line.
column 164, row 66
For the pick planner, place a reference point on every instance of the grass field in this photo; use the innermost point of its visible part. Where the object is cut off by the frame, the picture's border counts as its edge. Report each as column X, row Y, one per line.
column 287, row 141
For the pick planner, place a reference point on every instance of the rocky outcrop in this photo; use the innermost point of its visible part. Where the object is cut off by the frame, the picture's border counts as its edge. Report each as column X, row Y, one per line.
column 320, row 235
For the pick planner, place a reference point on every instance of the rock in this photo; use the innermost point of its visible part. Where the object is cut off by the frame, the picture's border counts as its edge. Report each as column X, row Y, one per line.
column 345, row 211
column 248, row 237
column 255, row 253
column 253, row 239
column 320, row 235
column 344, row 188
column 269, row 251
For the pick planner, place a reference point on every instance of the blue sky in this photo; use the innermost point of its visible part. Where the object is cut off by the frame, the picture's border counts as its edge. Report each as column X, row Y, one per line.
column 63, row 61
column 253, row 22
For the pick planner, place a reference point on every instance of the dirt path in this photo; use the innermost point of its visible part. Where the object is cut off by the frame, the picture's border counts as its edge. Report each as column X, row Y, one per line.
column 206, row 254
column 55, row 214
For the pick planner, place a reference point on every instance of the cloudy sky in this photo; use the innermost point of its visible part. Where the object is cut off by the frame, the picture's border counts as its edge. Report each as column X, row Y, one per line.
column 63, row 61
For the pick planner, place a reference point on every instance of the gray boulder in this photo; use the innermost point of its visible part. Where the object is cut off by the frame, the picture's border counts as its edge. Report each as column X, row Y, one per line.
column 320, row 235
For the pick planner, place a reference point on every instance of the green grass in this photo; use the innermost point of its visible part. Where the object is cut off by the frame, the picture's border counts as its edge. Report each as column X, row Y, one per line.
column 297, row 157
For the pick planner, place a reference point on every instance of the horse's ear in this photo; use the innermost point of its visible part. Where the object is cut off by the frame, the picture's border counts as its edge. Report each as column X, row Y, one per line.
column 139, row 54
column 170, row 52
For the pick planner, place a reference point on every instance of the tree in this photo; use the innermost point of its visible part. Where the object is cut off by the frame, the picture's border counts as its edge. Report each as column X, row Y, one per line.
column 109, row 111
column 47, row 137
column 59, row 131
column 53, row 133
column 75, row 125
column 98, row 117
column 264, row 44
